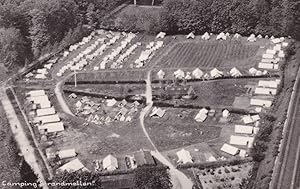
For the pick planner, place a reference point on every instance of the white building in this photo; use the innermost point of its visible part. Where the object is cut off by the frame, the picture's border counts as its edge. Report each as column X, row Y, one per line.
column 110, row 163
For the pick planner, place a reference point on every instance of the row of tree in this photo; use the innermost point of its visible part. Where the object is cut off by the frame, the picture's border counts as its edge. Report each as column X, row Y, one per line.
column 145, row 177
column 30, row 28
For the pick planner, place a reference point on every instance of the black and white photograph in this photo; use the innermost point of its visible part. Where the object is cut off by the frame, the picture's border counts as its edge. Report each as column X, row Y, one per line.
column 150, row 94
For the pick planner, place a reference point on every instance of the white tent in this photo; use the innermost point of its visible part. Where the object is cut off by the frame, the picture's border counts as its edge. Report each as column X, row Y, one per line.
column 161, row 35
column 241, row 140
column 202, row 115
column 221, row 36
column 215, row 73
column 205, row 36
column 36, row 93
column 184, row 156
column 225, row 113
column 260, row 102
column 259, row 36
column 252, row 71
column 197, row 73
column 234, row 72
column 229, row 149
column 251, row 38
column 161, row 74
column 46, row 111
column 48, row 119
column 190, row 36
column 72, row 166
column 110, row 163
column 179, row 74
column 267, row 83
column 67, row 153
column 243, row 129
column 52, row 127
column 157, row 112
column 237, row 36
column 111, row 102
column 265, row 91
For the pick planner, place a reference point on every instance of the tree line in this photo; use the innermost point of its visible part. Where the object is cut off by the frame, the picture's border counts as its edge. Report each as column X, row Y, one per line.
column 31, row 28
column 265, row 17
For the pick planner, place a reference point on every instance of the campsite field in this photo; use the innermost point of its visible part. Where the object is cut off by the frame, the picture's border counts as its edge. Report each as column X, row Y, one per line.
column 209, row 54
column 215, row 93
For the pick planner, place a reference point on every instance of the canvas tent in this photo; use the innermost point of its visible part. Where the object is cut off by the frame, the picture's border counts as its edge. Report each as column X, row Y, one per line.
column 111, row 102
column 241, row 140
column 237, row 36
column 234, row 72
column 110, row 163
column 72, row 166
column 260, row 102
column 161, row 35
column 44, row 112
column 215, row 73
column 48, row 119
column 197, row 73
column 225, row 113
column 161, row 74
column 252, row 71
column 243, row 129
column 251, row 38
column 190, row 36
column 229, row 149
column 205, row 36
column 202, row 115
column 179, row 74
column 221, row 36
column 67, row 153
column 184, row 156
column 157, row 112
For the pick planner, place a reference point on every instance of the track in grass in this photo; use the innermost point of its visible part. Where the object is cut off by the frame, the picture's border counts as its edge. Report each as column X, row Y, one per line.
column 207, row 54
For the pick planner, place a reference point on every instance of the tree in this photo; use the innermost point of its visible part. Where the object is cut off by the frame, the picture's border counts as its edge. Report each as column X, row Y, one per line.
column 152, row 177
column 11, row 47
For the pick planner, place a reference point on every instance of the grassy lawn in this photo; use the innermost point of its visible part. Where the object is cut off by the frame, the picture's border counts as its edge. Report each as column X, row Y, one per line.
column 209, row 54
column 217, row 93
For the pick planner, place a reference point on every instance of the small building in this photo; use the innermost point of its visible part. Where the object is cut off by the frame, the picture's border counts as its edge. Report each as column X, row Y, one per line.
column 268, row 56
column 157, row 112
column 143, row 157
column 179, row 74
column 215, row 73
column 241, row 140
column 50, row 153
column 67, row 153
column 36, row 93
column 45, row 111
column 197, row 73
column 270, row 84
column 48, row 119
column 260, row 102
column 110, row 163
column 225, row 113
column 243, row 129
column 161, row 35
column 72, row 166
column 184, row 156
column 52, row 127
column 161, row 74
column 265, row 91
column 111, row 102
column 252, row 71
column 262, row 65
column 229, row 149
column 234, row 72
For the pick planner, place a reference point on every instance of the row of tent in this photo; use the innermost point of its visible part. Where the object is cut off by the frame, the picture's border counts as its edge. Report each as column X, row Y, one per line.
column 148, row 53
column 46, row 116
column 41, row 73
column 184, row 156
column 116, row 52
column 273, row 55
column 198, row 74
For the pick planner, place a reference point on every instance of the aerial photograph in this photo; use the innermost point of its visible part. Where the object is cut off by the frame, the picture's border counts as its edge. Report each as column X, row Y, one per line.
column 150, row 94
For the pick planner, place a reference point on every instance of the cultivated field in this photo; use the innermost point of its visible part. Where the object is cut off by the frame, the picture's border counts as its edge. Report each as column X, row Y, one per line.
column 209, row 54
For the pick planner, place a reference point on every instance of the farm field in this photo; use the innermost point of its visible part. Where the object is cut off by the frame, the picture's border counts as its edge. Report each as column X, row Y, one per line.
column 209, row 55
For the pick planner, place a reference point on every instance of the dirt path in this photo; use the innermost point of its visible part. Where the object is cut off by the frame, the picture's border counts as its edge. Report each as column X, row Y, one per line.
column 61, row 99
column 24, row 144
column 179, row 180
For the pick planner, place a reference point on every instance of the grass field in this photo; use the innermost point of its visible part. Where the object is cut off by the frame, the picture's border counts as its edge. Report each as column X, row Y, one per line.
column 218, row 93
column 208, row 54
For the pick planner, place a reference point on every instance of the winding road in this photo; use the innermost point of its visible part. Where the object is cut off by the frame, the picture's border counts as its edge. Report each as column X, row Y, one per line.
column 179, row 179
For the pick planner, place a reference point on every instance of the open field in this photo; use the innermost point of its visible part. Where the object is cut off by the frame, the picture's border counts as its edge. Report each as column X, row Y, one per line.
column 209, row 54
column 217, row 93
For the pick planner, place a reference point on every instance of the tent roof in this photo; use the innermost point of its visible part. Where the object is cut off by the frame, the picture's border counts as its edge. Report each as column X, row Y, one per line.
column 110, row 163
column 184, row 156
column 72, row 166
